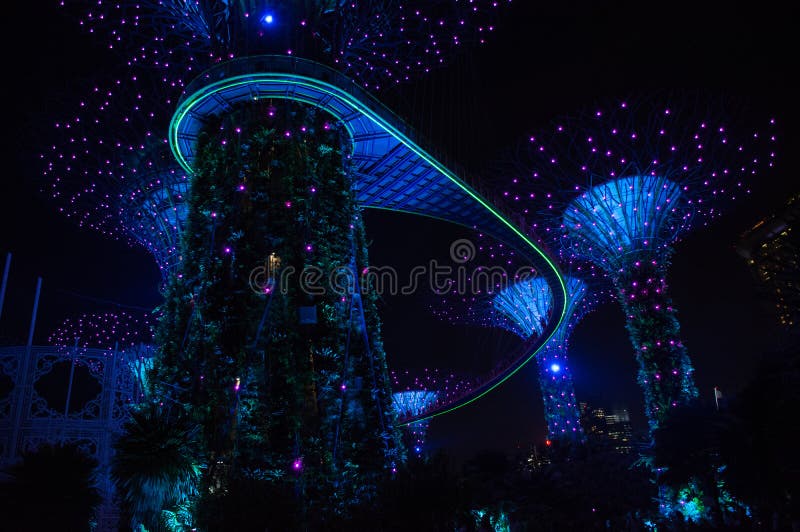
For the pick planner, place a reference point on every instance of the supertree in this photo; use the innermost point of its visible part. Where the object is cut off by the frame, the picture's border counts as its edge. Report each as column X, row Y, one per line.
column 412, row 403
column 415, row 394
column 378, row 43
column 104, row 330
column 622, row 185
column 112, row 172
column 287, row 378
column 521, row 305
column 153, row 206
column 126, row 334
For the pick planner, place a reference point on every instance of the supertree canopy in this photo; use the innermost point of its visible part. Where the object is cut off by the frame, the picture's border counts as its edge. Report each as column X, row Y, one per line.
column 444, row 387
column 416, row 393
column 412, row 403
column 106, row 330
column 113, row 171
column 375, row 42
column 118, row 128
column 623, row 185
column 153, row 206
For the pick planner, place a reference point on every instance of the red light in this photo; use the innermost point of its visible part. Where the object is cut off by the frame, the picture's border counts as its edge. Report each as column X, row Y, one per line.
column 548, row 442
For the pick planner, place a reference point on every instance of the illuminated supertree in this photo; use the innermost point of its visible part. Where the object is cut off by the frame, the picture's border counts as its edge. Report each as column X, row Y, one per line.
column 110, row 172
column 522, row 308
column 106, row 330
column 114, row 174
column 416, row 393
column 153, row 206
column 522, row 305
column 411, row 403
column 375, row 42
column 281, row 151
column 623, row 185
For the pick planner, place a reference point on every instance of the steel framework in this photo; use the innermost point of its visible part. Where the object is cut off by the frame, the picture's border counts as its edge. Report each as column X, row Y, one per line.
column 97, row 387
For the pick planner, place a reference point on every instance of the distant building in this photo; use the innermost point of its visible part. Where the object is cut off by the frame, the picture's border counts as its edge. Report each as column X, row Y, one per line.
column 772, row 250
column 593, row 420
column 608, row 427
column 532, row 460
column 618, row 429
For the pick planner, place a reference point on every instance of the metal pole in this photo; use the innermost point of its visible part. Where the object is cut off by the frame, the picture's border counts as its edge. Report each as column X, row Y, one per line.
column 24, row 381
column 5, row 283
column 71, row 376
column 33, row 315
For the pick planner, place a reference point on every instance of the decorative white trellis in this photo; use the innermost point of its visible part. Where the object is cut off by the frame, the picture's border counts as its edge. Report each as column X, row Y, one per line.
column 58, row 395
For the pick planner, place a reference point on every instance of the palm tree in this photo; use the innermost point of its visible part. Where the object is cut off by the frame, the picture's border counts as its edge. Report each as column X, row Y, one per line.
column 154, row 467
column 52, row 488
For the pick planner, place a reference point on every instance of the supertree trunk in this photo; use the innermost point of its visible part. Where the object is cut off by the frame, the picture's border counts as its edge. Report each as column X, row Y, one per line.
column 665, row 371
column 273, row 353
column 561, row 411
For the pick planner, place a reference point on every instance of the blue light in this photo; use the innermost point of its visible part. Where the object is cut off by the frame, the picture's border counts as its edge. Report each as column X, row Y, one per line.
column 522, row 308
column 624, row 215
column 411, row 403
column 268, row 18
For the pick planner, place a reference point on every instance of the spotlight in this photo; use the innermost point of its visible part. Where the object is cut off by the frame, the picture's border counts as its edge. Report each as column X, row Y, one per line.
column 555, row 368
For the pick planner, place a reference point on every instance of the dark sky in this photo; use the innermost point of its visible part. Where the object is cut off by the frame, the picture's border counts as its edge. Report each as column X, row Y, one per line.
column 544, row 60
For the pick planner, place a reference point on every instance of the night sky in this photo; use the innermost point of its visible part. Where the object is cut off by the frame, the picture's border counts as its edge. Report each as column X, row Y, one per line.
column 543, row 61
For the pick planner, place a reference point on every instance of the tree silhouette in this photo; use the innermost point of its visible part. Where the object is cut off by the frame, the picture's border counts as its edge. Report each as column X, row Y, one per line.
column 758, row 449
column 52, row 488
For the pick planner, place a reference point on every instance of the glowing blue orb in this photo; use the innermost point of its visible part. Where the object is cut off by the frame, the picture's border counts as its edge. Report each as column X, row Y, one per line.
column 555, row 368
column 268, row 18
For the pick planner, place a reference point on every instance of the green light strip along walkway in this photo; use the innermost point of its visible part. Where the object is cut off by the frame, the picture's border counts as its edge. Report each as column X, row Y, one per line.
column 390, row 171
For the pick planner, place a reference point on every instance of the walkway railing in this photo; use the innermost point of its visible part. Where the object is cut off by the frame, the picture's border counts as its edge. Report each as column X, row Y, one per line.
column 284, row 64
